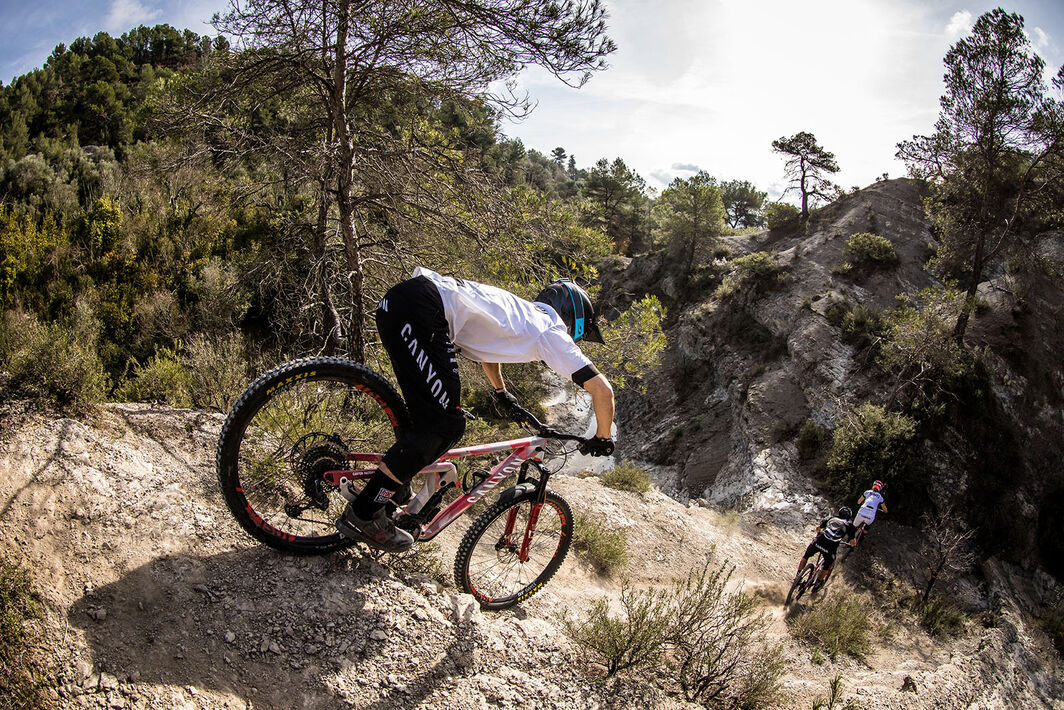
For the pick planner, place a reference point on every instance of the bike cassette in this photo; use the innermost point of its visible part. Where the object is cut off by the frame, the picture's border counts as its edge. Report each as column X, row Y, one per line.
column 312, row 456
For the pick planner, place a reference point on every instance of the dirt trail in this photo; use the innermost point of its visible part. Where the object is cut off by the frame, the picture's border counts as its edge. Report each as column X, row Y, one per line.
column 157, row 599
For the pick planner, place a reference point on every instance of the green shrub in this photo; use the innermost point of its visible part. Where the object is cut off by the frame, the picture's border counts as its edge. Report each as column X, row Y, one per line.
column 19, row 678
column 52, row 362
column 811, row 439
column 865, row 249
column 627, row 476
column 871, row 443
column 164, row 379
column 605, row 549
column 839, row 624
column 861, row 327
column 780, row 214
column 749, row 274
column 930, row 368
column 633, row 640
column 940, row 616
column 836, row 312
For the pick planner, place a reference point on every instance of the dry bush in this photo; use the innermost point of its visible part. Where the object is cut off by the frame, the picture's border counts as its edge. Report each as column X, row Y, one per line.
column 605, row 549
column 635, row 639
column 52, row 362
column 217, row 371
column 19, row 676
column 839, row 624
column 696, row 635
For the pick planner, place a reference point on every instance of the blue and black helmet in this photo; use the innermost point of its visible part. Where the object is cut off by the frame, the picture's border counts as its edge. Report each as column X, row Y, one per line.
column 574, row 306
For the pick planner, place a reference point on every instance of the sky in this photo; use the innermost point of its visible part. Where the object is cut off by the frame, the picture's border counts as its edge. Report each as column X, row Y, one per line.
column 694, row 84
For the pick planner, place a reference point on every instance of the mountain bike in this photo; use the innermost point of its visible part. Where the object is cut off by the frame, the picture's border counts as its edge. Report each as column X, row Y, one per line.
column 303, row 438
column 807, row 579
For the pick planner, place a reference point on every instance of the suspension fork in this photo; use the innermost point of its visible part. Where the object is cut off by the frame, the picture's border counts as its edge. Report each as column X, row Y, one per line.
column 533, row 513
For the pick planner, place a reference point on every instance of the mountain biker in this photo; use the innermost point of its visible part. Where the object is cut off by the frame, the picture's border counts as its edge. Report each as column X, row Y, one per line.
column 423, row 323
column 871, row 502
column 830, row 533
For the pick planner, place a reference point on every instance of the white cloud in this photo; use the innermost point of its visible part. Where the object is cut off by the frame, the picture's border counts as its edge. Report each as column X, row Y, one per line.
column 959, row 25
column 1039, row 38
column 126, row 14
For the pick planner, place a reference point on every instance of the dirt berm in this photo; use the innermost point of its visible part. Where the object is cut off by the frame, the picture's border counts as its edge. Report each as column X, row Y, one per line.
column 156, row 599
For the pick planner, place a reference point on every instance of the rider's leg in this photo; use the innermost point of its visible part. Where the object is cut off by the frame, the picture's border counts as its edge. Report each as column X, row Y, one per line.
column 413, row 328
column 825, row 571
column 801, row 565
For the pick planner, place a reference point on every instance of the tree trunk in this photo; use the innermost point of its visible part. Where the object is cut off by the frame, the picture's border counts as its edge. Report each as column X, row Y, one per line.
column 969, row 295
column 356, row 338
column 330, row 318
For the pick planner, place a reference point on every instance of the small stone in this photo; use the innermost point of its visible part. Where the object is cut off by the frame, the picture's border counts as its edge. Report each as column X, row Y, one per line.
column 108, row 681
column 274, row 648
column 230, row 637
column 98, row 614
column 466, row 608
column 421, row 614
column 379, row 635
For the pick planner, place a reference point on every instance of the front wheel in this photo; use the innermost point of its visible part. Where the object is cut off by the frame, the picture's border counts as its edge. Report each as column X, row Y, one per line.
column 800, row 584
column 513, row 548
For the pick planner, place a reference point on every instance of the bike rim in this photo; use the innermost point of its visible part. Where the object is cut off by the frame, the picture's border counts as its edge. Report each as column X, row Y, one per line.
column 496, row 571
column 301, row 430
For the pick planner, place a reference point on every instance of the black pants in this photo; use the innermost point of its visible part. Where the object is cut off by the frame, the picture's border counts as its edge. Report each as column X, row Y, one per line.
column 413, row 328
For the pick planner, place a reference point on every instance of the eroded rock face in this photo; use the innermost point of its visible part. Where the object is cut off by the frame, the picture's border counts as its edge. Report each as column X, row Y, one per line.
column 743, row 373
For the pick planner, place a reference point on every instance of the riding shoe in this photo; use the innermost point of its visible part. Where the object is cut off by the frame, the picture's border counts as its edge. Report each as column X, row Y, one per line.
column 379, row 531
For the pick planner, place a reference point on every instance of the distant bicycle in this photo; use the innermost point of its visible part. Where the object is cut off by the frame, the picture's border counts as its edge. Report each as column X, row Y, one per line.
column 808, row 579
column 303, row 438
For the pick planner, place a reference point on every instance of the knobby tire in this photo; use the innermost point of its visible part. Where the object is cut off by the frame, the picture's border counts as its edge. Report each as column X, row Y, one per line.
column 801, row 583
column 487, row 564
column 288, row 427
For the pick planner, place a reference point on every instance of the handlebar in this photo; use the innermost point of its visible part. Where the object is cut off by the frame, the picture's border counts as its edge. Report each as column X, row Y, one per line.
column 545, row 431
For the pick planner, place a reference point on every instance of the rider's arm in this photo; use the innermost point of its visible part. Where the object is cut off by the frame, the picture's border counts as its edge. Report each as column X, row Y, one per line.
column 602, row 401
column 883, row 507
column 493, row 370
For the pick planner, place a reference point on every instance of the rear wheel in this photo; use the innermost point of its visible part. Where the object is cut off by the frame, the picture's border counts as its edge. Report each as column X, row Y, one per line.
column 285, row 431
column 495, row 563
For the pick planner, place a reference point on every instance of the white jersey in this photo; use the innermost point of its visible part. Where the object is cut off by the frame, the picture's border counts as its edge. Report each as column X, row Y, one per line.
column 490, row 324
column 872, row 499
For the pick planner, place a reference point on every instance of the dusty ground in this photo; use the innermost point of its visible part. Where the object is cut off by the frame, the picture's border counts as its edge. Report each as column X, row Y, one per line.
column 157, row 599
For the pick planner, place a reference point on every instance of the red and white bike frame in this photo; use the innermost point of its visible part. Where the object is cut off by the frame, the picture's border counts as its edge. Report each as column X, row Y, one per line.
column 442, row 470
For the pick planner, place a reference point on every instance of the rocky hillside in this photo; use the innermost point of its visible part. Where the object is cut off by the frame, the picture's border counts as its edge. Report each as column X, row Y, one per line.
column 154, row 598
column 743, row 375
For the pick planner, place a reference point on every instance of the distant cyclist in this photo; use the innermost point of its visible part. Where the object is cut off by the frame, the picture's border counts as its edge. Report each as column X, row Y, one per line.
column 830, row 533
column 424, row 322
column 871, row 502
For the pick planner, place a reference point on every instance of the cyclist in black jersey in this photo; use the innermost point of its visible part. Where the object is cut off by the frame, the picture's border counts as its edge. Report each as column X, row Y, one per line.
column 830, row 533
column 424, row 323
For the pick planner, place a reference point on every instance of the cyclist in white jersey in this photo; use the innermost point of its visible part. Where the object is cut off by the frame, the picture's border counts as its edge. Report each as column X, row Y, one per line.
column 424, row 323
column 871, row 502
